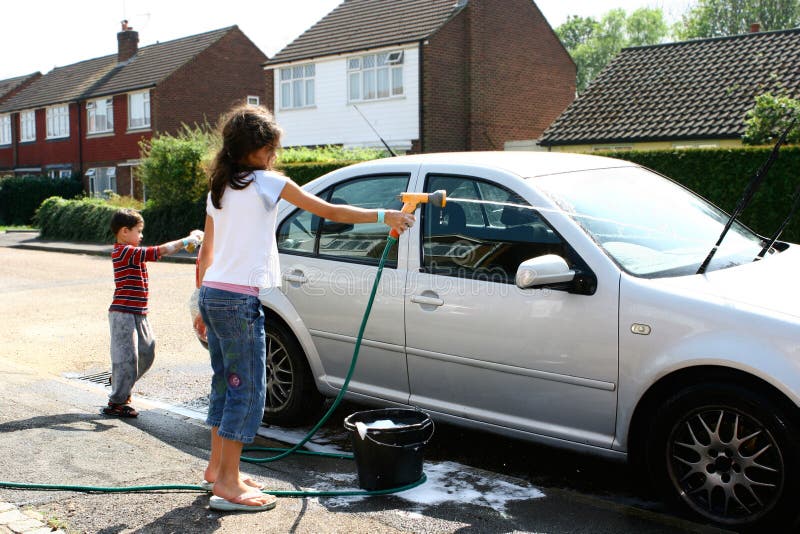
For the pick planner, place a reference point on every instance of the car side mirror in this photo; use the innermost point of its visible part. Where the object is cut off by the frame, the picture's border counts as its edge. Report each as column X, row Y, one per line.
column 542, row 271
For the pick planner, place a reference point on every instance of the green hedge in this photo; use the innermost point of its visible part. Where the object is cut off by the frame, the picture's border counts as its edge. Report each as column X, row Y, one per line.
column 87, row 220
column 721, row 176
column 20, row 196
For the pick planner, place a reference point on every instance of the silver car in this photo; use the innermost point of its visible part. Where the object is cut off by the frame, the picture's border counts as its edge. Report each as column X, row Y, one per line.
column 555, row 299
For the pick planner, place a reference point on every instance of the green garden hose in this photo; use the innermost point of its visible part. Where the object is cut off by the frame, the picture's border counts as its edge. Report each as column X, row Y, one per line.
column 282, row 452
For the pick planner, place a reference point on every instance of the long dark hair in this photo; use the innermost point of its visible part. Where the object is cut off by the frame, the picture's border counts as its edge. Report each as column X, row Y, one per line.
column 244, row 129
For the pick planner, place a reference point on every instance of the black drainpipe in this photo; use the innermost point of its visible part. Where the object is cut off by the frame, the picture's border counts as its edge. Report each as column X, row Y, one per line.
column 15, row 128
column 80, row 141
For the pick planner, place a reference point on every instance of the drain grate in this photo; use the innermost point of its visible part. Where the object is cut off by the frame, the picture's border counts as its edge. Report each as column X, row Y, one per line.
column 97, row 378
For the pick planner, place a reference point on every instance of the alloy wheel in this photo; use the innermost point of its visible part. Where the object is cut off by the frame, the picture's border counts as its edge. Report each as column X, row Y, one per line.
column 279, row 375
column 725, row 464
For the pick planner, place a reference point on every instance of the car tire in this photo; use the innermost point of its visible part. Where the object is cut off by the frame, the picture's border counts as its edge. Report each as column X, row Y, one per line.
column 292, row 396
column 728, row 455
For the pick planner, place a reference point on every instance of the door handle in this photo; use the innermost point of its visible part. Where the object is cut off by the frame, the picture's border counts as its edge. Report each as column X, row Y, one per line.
column 296, row 277
column 429, row 301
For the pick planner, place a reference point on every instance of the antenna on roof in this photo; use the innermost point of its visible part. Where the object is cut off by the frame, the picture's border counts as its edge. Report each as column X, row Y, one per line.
column 376, row 132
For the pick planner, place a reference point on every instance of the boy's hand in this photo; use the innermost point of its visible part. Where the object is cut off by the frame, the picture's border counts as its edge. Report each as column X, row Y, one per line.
column 194, row 240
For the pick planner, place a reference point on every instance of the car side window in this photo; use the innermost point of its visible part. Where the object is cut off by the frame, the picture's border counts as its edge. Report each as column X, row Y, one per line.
column 298, row 233
column 484, row 231
column 305, row 233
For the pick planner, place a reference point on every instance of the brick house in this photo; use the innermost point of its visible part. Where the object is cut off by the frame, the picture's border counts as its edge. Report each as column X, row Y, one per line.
column 688, row 94
column 430, row 75
column 89, row 117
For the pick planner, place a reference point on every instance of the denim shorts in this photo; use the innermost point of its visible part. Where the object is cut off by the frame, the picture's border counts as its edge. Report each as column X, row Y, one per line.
column 237, row 346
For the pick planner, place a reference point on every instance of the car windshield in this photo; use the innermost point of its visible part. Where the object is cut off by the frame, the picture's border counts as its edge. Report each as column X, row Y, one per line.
column 649, row 225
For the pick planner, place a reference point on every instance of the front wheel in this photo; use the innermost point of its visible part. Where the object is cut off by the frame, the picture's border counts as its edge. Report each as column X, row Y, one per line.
column 292, row 395
column 728, row 454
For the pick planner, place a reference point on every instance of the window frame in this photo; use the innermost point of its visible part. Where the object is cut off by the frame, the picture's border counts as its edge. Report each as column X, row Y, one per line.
column 326, row 194
column 390, row 67
column 570, row 255
column 91, row 109
column 5, row 129
column 253, row 100
column 292, row 81
column 27, row 125
column 145, row 109
column 57, row 121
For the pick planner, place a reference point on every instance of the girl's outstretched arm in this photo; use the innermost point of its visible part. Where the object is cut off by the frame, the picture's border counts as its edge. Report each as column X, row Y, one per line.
column 343, row 213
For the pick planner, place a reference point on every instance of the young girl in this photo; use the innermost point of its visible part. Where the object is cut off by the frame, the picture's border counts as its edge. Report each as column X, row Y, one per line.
column 239, row 256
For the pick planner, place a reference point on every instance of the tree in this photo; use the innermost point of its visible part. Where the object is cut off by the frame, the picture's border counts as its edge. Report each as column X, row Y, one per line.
column 768, row 119
column 173, row 167
column 719, row 18
column 592, row 43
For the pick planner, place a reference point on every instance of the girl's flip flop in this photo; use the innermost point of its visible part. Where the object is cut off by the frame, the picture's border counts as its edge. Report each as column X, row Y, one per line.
column 236, row 505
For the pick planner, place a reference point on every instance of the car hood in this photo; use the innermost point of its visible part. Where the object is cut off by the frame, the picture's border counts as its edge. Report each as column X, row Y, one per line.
column 769, row 285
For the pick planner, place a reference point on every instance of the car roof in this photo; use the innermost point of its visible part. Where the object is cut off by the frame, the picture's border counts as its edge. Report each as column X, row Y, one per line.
column 522, row 163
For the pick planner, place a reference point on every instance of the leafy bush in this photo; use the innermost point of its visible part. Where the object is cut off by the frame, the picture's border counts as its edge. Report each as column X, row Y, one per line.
column 721, row 176
column 20, row 196
column 173, row 167
column 770, row 117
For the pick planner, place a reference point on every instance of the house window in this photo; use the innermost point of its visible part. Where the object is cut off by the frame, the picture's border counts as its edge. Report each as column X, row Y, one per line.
column 102, row 180
column 58, row 121
column 253, row 100
column 139, row 110
column 297, row 86
column 59, row 173
column 5, row 129
column 100, row 115
column 375, row 76
column 27, row 122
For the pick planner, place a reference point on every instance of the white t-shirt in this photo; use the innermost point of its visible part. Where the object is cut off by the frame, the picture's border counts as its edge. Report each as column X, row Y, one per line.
column 245, row 252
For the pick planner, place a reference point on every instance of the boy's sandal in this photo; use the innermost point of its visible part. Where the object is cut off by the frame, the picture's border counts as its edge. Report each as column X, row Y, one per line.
column 120, row 410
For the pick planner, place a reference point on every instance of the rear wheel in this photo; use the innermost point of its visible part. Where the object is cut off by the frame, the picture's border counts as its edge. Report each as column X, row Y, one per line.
column 292, row 396
column 726, row 453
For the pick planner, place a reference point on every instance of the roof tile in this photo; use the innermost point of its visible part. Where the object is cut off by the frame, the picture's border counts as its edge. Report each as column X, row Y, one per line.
column 104, row 75
column 362, row 24
column 689, row 89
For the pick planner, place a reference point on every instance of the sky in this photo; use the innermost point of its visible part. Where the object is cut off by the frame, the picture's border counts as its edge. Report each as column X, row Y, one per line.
column 38, row 35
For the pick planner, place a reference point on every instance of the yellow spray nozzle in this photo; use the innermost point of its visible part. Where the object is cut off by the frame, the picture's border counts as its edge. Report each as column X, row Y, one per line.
column 411, row 200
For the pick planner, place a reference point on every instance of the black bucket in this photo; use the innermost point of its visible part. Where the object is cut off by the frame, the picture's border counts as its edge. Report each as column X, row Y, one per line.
column 389, row 457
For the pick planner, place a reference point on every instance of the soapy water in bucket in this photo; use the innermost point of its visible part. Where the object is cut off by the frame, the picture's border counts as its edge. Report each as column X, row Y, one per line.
column 388, row 446
column 379, row 424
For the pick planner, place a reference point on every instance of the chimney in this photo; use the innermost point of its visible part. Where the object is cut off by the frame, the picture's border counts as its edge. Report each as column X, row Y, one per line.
column 127, row 42
column 755, row 27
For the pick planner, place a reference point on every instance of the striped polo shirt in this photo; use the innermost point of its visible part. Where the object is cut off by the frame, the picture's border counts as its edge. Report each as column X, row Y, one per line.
column 130, row 277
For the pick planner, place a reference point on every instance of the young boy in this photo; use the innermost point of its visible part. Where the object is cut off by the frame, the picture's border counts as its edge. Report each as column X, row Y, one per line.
column 132, row 341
